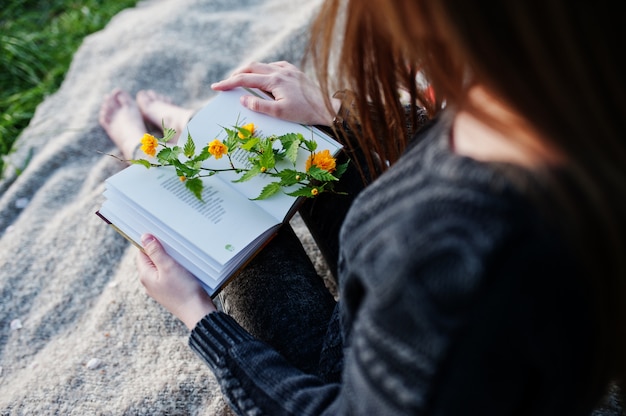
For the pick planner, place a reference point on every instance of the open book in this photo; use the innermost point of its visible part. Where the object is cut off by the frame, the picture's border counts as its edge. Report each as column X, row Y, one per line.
column 215, row 237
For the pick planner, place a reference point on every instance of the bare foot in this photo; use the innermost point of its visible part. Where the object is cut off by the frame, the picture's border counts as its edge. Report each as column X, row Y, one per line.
column 159, row 110
column 121, row 119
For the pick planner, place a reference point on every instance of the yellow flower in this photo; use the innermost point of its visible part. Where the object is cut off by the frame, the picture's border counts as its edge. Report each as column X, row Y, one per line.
column 182, row 178
column 322, row 160
column 314, row 191
column 149, row 144
column 217, row 149
column 249, row 127
column 263, row 169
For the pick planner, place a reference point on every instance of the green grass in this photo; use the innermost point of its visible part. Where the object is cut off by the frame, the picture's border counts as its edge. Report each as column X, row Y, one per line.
column 37, row 41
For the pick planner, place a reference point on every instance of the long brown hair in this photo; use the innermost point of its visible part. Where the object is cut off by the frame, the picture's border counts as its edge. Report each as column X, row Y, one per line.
column 556, row 62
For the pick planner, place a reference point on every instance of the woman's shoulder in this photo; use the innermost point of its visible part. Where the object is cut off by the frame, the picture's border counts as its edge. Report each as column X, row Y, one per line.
column 431, row 183
column 436, row 206
column 439, row 231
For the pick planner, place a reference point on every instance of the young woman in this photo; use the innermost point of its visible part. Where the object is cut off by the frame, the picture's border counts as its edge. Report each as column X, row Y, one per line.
column 483, row 269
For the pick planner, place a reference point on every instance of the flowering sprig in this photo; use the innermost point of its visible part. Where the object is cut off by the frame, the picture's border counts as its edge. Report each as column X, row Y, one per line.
column 263, row 155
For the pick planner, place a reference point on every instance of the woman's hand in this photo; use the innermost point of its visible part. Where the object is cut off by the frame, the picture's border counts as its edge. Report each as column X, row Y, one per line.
column 296, row 97
column 172, row 285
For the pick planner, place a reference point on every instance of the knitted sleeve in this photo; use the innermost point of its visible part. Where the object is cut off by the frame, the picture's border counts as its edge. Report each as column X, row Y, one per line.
column 254, row 378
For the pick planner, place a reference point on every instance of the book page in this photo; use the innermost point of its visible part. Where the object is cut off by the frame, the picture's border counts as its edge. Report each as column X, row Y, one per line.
column 221, row 226
column 225, row 110
column 133, row 221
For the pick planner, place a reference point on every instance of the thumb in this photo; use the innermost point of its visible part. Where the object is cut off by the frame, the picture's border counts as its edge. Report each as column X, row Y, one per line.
column 153, row 249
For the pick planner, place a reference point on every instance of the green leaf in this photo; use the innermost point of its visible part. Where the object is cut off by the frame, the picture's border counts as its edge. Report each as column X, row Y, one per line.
column 255, row 170
column 190, row 147
column 168, row 133
column 269, row 190
column 321, row 174
column 288, row 138
column 164, row 155
column 311, row 145
column 267, row 159
column 289, row 177
column 183, row 169
column 341, row 169
column 196, row 186
column 232, row 140
column 244, row 132
column 291, row 144
column 304, row 191
column 168, row 154
column 203, row 155
column 142, row 162
column 194, row 164
column 279, row 155
column 250, row 143
column 231, row 133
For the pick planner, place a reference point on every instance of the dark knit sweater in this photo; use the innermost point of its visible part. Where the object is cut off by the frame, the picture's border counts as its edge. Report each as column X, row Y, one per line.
column 456, row 298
